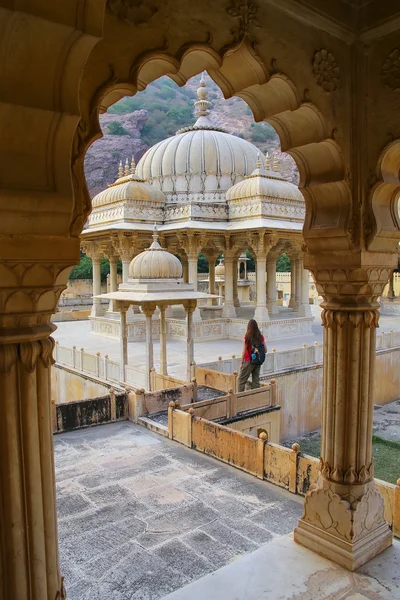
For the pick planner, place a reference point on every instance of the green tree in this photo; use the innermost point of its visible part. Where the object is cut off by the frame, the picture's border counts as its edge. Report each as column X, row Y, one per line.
column 116, row 128
column 85, row 270
column 283, row 263
column 202, row 264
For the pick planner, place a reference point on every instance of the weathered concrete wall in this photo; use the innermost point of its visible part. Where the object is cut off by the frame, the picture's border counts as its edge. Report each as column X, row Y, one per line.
column 251, row 424
column 68, row 385
column 86, row 413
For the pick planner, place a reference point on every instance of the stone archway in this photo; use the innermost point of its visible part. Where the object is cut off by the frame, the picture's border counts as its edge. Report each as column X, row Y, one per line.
column 62, row 64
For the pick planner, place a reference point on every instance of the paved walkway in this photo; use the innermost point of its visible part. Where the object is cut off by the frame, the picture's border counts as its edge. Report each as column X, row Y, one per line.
column 141, row 516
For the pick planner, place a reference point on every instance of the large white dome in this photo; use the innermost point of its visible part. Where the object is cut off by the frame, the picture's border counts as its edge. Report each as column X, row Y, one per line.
column 199, row 163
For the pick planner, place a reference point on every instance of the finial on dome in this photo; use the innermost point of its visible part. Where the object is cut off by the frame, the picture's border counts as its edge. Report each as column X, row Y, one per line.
column 202, row 105
column 275, row 163
column 120, row 169
column 133, row 166
column 258, row 163
column 155, row 233
column 127, row 170
column 267, row 162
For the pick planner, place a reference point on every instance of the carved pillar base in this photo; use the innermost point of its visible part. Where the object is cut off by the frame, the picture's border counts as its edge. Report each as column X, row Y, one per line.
column 344, row 512
column 348, row 531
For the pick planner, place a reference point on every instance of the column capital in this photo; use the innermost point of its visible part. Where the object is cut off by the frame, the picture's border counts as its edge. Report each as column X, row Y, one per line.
column 148, row 308
column 93, row 249
column 124, row 245
column 190, row 306
column 191, row 243
column 354, row 279
column 262, row 242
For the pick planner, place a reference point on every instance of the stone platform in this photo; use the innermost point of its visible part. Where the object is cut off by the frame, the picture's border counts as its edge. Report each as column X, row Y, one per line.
column 283, row 570
column 285, row 325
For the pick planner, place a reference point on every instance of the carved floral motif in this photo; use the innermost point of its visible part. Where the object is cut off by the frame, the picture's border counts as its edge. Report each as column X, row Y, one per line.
column 329, row 512
column 135, row 12
column 245, row 12
column 391, row 70
column 351, row 476
column 326, row 70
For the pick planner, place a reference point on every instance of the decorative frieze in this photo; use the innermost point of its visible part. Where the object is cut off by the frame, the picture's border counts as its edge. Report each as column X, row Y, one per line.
column 197, row 211
column 252, row 208
column 391, row 70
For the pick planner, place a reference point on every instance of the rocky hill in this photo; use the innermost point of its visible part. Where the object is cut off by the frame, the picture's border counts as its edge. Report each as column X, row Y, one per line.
column 135, row 123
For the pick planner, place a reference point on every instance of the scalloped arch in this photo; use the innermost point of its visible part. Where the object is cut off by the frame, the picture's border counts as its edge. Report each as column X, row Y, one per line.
column 300, row 125
column 385, row 194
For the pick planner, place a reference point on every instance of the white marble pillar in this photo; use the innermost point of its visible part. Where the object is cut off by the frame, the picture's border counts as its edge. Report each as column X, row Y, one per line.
column 189, row 308
column 192, row 274
column 236, row 301
column 185, row 270
column 271, row 286
column 125, row 269
column 261, row 312
column 304, row 308
column 211, row 279
column 298, row 266
column 228, row 310
column 163, row 341
column 292, row 301
column 113, row 281
column 148, row 310
column 123, row 336
column 192, row 269
column 97, row 308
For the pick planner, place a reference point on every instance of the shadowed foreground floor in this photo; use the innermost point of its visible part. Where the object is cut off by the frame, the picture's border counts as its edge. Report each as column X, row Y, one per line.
column 141, row 516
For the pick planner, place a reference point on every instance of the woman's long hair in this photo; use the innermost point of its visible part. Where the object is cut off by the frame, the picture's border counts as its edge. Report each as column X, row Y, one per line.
column 253, row 335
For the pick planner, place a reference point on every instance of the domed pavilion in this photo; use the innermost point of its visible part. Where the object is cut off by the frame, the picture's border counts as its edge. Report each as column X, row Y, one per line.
column 212, row 192
column 155, row 282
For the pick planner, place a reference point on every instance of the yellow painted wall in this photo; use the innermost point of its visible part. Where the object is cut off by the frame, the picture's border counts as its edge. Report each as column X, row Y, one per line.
column 68, row 386
column 299, row 393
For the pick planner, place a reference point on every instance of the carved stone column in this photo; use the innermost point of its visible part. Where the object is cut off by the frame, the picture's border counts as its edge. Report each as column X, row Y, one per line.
column 292, row 301
column 304, row 307
column 344, row 512
column 261, row 312
column 29, row 292
column 190, row 308
column 95, row 252
column 123, row 335
column 163, row 341
column 229, row 310
column 236, row 301
column 148, row 310
column 271, row 285
column 185, row 270
column 211, row 257
column 112, row 257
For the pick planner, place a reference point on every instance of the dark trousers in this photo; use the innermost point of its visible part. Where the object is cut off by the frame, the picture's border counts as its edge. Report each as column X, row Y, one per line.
column 246, row 370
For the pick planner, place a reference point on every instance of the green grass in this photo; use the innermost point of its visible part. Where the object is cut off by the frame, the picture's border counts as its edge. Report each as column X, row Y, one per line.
column 386, row 455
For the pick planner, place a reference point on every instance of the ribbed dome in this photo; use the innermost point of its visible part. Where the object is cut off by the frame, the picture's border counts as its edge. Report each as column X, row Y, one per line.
column 265, row 183
column 199, row 163
column 128, row 186
column 155, row 263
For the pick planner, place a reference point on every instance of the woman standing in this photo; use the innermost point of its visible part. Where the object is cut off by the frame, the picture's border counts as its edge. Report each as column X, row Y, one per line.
column 252, row 339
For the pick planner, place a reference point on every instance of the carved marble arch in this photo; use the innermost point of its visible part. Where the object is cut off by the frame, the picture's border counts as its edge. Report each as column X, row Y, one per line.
column 382, row 231
column 272, row 97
